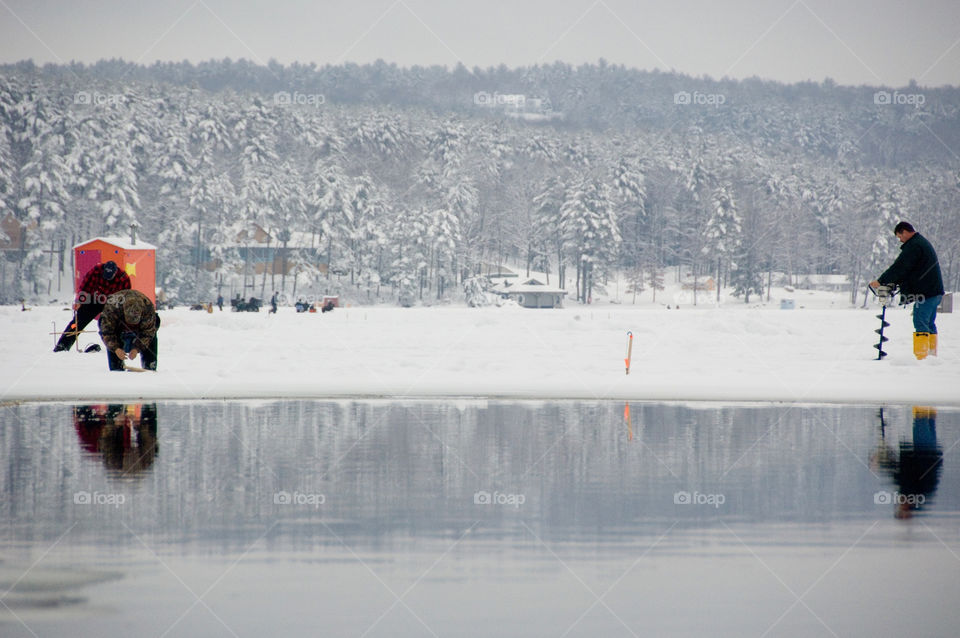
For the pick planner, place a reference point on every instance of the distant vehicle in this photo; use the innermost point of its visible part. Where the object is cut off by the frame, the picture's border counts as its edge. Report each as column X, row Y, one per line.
column 237, row 304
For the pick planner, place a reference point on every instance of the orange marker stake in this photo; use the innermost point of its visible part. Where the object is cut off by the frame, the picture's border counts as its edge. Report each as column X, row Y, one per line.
column 626, row 417
column 629, row 350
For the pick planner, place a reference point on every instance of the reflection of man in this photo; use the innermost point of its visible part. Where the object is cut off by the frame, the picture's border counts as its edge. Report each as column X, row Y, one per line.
column 917, row 469
column 125, row 435
column 99, row 283
column 128, row 442
column 917, row 272
column 89, row 421
column 128, row 327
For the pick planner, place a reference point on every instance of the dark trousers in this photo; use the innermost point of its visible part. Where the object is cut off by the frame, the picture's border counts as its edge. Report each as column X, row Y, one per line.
column 925, row 314
column 148, row 357
column 86, row 313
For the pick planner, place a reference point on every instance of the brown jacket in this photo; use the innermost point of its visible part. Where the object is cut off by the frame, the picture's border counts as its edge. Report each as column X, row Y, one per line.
column 115, row 319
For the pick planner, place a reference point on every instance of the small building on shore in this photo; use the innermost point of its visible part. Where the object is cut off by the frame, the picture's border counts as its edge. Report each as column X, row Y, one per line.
column 533, row 293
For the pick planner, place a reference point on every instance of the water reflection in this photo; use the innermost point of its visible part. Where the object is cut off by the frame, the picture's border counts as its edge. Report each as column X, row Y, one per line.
column 382, row 471
column 125, row 436
column 497, row 518
column 915, row 468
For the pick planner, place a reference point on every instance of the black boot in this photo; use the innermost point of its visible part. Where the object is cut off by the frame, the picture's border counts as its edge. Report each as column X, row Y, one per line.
column 66, row 340
column 83, row 316
column 148, row 358
column 114, row 362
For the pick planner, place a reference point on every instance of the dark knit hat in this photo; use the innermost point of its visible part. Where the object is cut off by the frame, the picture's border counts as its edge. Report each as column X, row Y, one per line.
column 110, row 270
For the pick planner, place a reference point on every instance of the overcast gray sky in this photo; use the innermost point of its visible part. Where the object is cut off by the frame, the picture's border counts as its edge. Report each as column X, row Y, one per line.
column 874, row 42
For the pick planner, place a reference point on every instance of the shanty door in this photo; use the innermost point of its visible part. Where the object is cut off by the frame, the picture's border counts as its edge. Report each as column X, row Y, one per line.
column 86, row 259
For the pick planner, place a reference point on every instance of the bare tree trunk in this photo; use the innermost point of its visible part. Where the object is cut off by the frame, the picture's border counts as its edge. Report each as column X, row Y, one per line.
column 283, row 267
column 588, row 282
column 329, row 256
column 695, row 285
column 263, row 280
column 196, row 258
column 717, row 282
column 769, row 277
column 579, row 298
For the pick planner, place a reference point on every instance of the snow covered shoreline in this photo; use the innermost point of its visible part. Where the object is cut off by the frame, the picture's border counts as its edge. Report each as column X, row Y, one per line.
column 818, row 354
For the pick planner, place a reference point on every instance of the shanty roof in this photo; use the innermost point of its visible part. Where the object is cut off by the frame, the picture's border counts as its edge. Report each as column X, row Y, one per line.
column 534, row 285
column 120, row 242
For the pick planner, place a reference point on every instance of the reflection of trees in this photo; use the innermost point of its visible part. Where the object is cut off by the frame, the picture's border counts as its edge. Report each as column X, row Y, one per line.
column 125, row 435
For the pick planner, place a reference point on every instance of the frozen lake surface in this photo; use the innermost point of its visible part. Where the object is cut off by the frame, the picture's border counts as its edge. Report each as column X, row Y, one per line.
column 475, row 518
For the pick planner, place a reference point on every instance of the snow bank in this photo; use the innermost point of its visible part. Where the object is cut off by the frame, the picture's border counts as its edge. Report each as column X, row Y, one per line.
column 727, row 353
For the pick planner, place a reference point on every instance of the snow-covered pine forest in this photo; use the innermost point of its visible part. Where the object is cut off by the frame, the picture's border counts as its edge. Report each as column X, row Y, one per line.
column 378, row 182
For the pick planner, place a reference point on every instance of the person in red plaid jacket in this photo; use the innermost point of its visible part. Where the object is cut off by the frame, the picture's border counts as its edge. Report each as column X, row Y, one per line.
column 101, row 281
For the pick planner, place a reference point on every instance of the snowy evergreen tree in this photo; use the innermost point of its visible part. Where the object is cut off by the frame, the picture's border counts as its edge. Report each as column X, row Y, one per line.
column 331, row 192
column 629, row 185
column 636, row 280
column 698, row 184
column 548, row 219
column 212, row 197
column 655, row 279
column 443, row 234
column 42, row 204
column 591, row 232
column 462, row 199
column 723, row 233
column 475, row 292
column 409, row 254
column 6, row 171
column 880, row 210
column 369, row 213
column 115, row 181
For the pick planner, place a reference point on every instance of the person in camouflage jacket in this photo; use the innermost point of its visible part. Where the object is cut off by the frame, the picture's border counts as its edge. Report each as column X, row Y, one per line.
column 128, row 327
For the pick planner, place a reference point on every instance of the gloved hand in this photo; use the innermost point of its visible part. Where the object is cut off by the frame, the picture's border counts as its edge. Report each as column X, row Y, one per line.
column 120, row 354
column 133, row 354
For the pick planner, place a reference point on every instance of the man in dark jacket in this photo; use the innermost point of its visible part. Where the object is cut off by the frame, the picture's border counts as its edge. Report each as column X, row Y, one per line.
column 128, row 327
column 917, row 272
column 99, row 283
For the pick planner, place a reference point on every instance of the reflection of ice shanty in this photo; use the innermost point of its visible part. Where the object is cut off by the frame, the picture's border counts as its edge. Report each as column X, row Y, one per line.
column 125, row 435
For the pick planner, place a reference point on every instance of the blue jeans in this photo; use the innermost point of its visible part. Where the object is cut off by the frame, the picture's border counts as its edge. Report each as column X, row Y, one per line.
column 925, row 313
